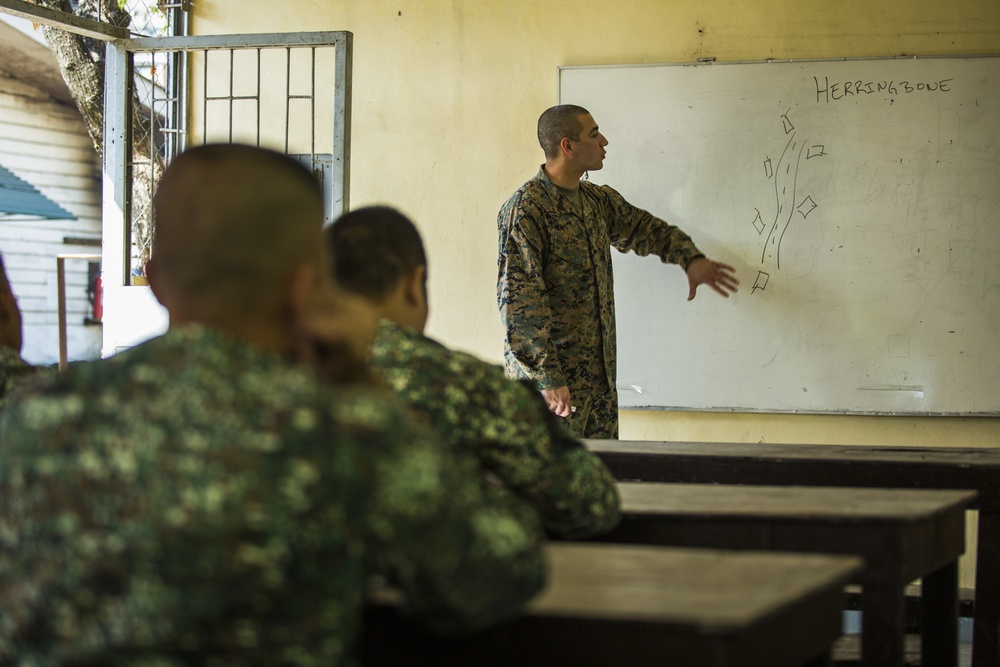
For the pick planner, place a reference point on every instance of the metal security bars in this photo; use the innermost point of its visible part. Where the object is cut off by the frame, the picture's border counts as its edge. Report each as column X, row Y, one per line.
column 290, row 92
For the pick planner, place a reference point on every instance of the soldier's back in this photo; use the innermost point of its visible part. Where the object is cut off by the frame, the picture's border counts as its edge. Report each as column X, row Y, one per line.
column 188, row 501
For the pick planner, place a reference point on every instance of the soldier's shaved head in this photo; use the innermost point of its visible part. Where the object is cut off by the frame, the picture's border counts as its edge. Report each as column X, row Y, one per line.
column 232, row 224
column 372, row 249
column 558, row 122
column 376, row 254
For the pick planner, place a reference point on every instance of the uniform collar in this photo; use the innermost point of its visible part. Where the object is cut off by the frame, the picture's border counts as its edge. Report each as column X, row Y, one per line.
column 550, row 187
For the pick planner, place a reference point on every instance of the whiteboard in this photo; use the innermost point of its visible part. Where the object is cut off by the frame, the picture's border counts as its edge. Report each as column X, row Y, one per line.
column 859, row 201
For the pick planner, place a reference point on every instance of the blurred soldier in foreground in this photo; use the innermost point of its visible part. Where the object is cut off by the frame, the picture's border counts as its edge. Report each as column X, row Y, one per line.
column 207, row 498
column 378, row 254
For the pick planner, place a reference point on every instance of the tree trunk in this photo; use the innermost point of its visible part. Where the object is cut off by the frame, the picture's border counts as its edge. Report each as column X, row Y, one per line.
column 81, row 61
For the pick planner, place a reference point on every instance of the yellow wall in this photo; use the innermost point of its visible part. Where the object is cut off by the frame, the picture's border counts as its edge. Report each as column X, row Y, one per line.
column 447, row 92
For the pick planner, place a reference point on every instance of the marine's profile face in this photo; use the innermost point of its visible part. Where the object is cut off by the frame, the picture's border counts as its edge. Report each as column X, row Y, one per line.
column 589, row 150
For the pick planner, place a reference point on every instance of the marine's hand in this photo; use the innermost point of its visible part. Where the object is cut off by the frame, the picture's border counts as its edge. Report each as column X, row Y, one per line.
column 720, row 277
column 558, row 400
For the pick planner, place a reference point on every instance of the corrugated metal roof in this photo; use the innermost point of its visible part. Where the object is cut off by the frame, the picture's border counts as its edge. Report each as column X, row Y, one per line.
column 17, row 196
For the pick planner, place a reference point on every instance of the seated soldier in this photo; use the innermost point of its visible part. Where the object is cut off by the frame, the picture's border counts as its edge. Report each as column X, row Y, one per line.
column 205, row 498
column 377, row 254
column 13, row 369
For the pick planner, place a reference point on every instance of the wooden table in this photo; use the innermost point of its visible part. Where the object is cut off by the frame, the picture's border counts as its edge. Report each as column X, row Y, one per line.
column 836, row 465
column 633, row 605
column 902, row 535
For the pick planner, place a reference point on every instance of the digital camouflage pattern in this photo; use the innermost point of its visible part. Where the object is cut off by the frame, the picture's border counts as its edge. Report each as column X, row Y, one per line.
column 473, row 406
column 13, row 371
column 555, row 288
column 196, row 501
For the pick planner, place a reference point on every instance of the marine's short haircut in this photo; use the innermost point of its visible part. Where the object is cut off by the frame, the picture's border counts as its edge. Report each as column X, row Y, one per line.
column 372, row 249
column 232, row 220
column 558, row 122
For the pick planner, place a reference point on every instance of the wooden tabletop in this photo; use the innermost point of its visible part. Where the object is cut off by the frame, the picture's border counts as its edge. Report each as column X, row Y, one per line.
column 902, row 534
column 812, row 465
column 801, row 502
column 638, row 605
column 715, row 591
column 984, row 456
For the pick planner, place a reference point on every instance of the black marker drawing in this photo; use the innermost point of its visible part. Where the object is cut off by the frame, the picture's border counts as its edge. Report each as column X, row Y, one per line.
column 807, row 206
column 815, row 151
column 787, row 123
column 786, row 200
column 761, row 282
column 784, row 196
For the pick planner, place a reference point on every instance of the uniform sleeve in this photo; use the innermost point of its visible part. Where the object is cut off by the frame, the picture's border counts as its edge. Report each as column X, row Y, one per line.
column 522, row 299
column 526, row 446
column 466, row 553
column 639, row 231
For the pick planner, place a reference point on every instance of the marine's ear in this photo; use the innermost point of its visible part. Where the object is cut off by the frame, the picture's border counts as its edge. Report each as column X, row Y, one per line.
column 415, row 297
column 415, row 285
column 566, row 146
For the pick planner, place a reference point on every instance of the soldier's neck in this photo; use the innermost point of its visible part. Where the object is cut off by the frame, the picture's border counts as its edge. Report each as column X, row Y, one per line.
column 562, row 174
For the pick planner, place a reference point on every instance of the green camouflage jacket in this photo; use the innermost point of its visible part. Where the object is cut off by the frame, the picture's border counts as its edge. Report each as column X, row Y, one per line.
column 196, row 501
column 473, row 406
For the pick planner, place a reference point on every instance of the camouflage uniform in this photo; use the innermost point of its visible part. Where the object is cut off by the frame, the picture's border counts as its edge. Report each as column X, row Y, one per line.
column 555, row 290
column 473, row 405
column 196, row 501
column 13, row 371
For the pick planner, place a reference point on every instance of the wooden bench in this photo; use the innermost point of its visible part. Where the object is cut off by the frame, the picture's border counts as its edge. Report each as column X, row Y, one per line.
column 835, row 465
column 632, row 605
column 902, row 535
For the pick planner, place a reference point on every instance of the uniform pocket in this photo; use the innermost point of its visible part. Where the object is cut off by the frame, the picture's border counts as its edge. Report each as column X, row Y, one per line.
column 571, row 253
column 568, row 267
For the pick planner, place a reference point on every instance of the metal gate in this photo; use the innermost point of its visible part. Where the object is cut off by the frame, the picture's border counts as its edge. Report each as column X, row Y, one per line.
column 290, row 92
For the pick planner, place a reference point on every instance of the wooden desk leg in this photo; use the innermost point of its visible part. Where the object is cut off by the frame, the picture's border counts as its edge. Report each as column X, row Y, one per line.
column 883, row 626
column 939, row 618
column 986, row 624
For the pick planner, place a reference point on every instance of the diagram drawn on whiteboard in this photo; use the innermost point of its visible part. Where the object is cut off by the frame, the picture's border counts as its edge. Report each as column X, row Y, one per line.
column 789, row 204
